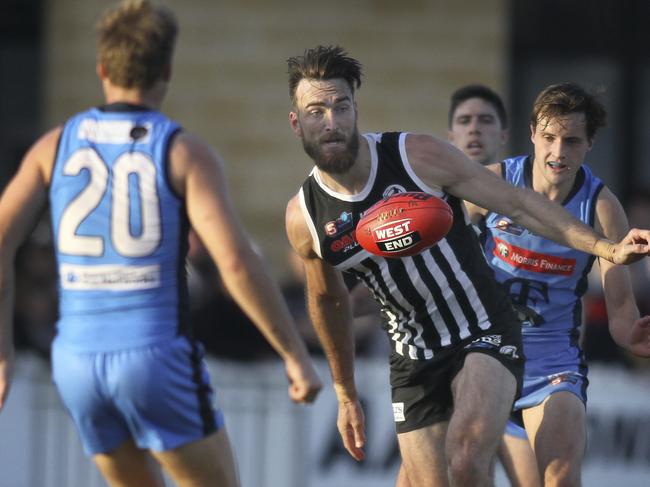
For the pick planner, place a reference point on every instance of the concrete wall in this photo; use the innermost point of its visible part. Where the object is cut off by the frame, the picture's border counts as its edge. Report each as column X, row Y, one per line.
column 230, row 84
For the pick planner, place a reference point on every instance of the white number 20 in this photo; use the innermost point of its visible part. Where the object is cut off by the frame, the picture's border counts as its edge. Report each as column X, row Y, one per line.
column 127, row 245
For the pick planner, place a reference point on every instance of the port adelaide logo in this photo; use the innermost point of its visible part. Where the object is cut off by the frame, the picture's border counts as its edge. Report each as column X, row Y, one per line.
column 393, row 189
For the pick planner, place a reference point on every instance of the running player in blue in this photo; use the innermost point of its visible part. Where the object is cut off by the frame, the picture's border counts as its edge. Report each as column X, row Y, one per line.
column 124, row 184
column 546, row 280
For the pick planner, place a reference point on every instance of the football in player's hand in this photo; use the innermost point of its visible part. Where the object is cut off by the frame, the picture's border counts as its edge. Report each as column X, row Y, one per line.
column 404, row 224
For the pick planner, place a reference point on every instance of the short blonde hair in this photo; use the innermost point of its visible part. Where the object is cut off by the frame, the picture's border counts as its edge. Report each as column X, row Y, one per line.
column 135, row 43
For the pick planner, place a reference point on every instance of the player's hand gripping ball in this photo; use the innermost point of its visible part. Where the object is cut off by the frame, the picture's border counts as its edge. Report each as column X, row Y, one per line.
column 404, row 224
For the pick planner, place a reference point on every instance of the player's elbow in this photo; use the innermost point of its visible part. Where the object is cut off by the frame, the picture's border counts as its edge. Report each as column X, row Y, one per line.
column 619, row 329
column 238, row 262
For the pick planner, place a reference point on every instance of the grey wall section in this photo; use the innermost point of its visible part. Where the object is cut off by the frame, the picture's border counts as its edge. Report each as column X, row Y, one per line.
column 280, row 444
column 229, row 81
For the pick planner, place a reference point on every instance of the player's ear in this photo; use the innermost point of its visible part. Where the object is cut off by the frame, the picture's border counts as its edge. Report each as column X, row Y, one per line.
column 450, row 136
column 532, row 133
column 101, row 71
column 504, row 137
column 295, row 123
column 167, row 72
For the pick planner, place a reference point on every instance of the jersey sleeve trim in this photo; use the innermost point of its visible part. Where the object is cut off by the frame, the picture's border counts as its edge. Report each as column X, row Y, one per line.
column 167, row 163
column 594, row 200
column 407, row 166
column 55, row 161
column 310, row 223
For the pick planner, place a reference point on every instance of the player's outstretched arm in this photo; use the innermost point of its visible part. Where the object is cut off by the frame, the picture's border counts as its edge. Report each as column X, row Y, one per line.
column 475, row 212
column 439, row 164
column 626, row 327
column 329, row 310
column 197, row 174
column 22, row 203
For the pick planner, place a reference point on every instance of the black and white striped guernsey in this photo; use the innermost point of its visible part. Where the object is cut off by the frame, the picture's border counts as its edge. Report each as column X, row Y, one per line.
column 431, row 301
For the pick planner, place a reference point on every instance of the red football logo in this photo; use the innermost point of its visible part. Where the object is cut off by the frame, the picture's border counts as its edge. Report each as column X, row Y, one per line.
column 404, row 224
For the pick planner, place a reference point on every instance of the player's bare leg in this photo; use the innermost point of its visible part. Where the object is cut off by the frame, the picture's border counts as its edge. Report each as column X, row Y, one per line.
column 557, row 431
column 129, row 466
column 208, row 462
column 518, row 460
column 484, row 391
column 402, row 478
column 423, row 457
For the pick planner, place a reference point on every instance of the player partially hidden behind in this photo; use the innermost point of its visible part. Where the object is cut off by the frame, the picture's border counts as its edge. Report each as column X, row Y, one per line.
column 478, row 125
column 456, row 356
column 124, row 184
column 546, row 280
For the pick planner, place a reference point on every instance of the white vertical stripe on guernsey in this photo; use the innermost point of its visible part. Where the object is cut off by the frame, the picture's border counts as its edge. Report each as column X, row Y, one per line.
column 406, row 334
column 393, row 333
column 400, row 337
column 449, row 297
column 399, row 297
column 424, row 291
column 399, row 348
column 376, row 290
column 474, row 300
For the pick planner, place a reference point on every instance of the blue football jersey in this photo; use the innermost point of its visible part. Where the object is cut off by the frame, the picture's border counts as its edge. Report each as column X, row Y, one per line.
column 120, row 231
column 545, row 280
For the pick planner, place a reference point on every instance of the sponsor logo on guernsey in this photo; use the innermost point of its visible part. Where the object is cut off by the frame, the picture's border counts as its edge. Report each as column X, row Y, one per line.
column 344, row 244
column 393, row 189
column 109, row 277
column 398, row 412
column 113, row 131
column 507, row 226
column 396, row 236
column 340, row 225
column 528, row 260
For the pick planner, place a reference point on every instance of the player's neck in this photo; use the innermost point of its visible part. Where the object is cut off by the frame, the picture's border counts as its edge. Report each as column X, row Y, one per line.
column 354, row 180
column 553, row 191
column 151, row 98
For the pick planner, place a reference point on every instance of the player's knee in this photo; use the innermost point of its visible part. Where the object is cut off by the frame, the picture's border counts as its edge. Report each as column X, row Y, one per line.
column 466, row 469
column 562, row 474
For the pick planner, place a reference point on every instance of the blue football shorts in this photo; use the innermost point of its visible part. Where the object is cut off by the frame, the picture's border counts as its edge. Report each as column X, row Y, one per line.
column 158, row 395
column 537, row 388
column 514, row 429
